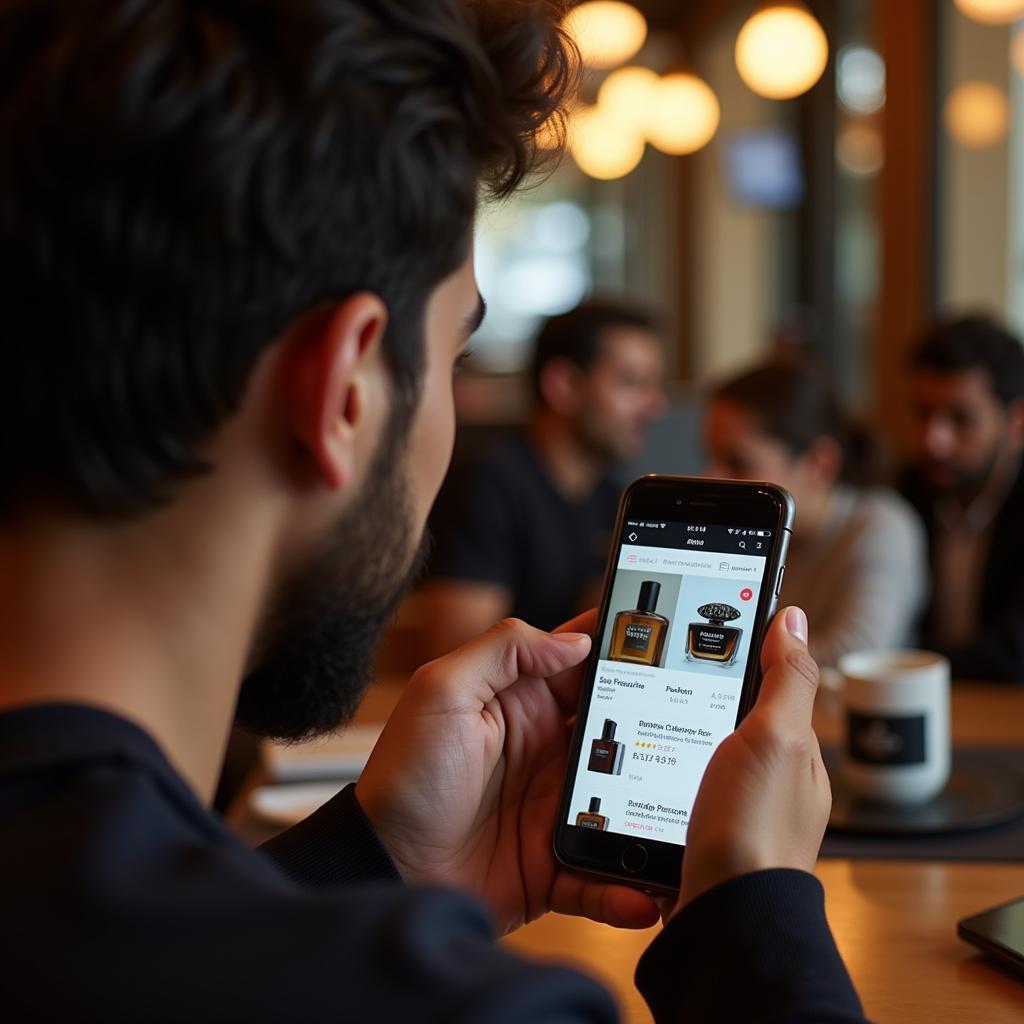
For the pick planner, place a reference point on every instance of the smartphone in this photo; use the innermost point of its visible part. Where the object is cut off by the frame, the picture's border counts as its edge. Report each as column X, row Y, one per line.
column 692, row 583
column 998, row 932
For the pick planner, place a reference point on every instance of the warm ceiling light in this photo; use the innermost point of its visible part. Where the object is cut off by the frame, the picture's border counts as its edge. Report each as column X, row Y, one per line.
column 992, row 12
column 628, row 93
column 603, row 145
column 781, row 51
column 607, row 32
column 684, row 114
column 977, row 114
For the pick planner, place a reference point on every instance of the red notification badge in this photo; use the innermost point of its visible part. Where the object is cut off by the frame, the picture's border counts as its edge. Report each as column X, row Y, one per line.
column 746, row 594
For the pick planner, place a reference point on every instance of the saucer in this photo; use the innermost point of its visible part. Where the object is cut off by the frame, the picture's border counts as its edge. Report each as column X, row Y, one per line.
column 975, row 797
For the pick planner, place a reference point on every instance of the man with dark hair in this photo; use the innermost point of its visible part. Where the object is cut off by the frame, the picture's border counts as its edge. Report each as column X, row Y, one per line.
column 532, row 519
column 235, row 240
column 967, row 394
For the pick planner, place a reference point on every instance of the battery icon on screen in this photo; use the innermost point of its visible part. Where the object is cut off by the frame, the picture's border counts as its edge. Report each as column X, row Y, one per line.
column 761, row 533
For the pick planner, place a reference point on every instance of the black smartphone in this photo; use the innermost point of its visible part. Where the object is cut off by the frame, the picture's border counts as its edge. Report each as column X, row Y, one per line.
column 998, row 932
column 692, row 583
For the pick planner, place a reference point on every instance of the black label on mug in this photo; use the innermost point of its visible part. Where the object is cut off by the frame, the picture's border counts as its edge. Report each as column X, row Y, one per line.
column 881, row 739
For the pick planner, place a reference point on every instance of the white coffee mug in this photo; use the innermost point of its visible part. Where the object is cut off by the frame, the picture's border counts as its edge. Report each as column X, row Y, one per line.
column 897, row 747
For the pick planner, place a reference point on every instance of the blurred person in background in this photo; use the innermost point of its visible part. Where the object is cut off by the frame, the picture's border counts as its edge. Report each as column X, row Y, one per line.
column 857, row 561
column 967, row 396
column 533, row 518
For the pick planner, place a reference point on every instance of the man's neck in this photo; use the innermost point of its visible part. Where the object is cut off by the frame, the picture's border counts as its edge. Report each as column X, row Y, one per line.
column 145, row 621
column 573, row 470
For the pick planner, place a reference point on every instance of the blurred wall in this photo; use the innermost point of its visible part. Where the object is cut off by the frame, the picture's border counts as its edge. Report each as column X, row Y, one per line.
column 973, row 210
column 736, row 249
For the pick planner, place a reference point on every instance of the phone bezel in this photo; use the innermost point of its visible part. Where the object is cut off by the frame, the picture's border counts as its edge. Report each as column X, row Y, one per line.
column 686, row 499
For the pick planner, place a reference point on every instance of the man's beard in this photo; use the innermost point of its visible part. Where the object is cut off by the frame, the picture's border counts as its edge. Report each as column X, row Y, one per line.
column 965, row 483
column 315, row 648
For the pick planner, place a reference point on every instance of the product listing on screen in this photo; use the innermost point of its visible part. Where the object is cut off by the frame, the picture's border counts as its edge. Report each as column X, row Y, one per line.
column 671, row 662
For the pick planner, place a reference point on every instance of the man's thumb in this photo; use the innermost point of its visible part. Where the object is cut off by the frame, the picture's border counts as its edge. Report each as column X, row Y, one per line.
column 790, row 674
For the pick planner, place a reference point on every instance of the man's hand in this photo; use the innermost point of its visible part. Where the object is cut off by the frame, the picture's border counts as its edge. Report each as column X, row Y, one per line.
column 765, row 798
column 463, row 785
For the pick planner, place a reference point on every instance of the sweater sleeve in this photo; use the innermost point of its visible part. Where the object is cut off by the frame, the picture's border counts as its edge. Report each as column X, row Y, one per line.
column 754, row 949
column 335, row 845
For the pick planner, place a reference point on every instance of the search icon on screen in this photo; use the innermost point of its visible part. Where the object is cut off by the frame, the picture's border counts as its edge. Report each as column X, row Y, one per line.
column 743, row 544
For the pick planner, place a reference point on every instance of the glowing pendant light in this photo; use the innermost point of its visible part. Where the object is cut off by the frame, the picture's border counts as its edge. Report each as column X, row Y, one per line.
column 607, row 32
column 992, row 12
column 977, row 114
column 684, row 114
column 603, row 145
column 628, row 93
column 781, row 51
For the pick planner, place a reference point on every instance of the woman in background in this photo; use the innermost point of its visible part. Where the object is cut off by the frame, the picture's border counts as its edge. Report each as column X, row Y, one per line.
column 857, row 562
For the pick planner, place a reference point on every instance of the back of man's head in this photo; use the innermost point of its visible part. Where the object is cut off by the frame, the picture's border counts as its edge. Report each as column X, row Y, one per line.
column 577, row 336
column 181, row 179
column 974, row 343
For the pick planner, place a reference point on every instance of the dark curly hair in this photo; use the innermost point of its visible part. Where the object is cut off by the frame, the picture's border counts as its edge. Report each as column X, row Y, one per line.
column 794, row 402
column 578, row 334
column 180, row 179
column 974, row 342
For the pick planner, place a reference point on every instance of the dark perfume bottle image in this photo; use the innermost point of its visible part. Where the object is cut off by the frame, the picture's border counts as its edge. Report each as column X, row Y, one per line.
column 593, row 818
column 638, row 636
column 606, row 753
column 714, row 640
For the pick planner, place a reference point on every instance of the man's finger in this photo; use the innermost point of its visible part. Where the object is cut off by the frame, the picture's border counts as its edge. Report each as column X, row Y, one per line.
column 617, row 905
column 493, row 661
column 566, row 685
column 790, row 674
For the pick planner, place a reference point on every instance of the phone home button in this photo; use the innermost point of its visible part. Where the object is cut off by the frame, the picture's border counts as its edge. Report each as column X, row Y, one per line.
column 634, row 858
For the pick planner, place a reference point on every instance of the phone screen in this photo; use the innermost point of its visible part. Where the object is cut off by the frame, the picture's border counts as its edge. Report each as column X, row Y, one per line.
column 671, row 661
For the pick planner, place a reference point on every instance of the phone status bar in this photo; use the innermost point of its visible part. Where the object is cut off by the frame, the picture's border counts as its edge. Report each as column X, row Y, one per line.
column 697, row 536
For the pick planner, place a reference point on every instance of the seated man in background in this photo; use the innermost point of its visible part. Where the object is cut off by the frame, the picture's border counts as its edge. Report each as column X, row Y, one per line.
column 857, row 562
column 533, row 519
column 967, row 395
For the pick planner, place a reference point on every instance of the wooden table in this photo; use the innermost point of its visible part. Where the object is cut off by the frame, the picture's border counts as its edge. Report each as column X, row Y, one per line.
column 894, row 921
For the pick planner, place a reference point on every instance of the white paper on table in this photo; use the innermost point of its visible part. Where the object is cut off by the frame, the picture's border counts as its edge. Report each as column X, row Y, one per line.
column 342, row 756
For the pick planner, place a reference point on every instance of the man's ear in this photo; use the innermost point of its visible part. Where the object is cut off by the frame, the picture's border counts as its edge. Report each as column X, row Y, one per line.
column 559, row 383
column 331, row 377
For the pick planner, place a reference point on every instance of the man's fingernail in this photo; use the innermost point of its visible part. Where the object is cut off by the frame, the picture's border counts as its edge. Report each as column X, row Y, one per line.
column 570, row 638
column 796, row 623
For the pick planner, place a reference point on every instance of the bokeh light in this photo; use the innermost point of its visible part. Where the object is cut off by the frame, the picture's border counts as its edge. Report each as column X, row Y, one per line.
column 684, row 114
column 604, row 146
column 977, row 114
column 628, row 94
column 607, row 32
column 992, row 12
column 781, row 51
column 860, row 79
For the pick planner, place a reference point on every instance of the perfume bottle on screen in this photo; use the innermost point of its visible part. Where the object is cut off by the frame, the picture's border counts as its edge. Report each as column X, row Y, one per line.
column 638, row 636
column 593, row 818
column 713, row 640
column 606, row 753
